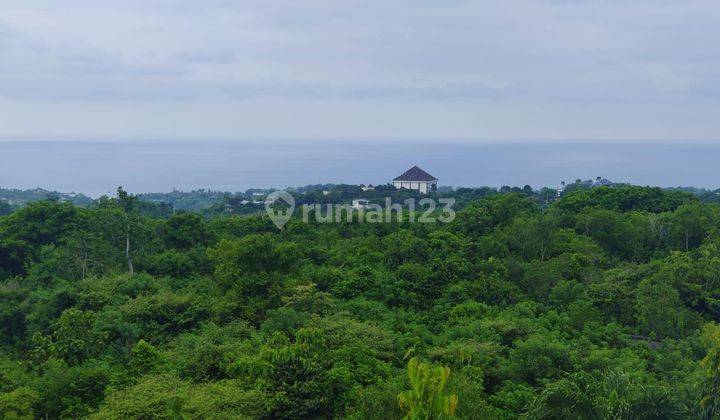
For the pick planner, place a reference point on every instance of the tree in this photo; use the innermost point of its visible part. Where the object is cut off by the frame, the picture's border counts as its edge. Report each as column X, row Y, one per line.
column 13, row 255
column 710, row 402
column 658, row 307
column 624, row 198
column 251, row 254
column 184, row 231
column 317, row 373
column 70, row 392
column 609, row 228
column 127, row 204
column 690, row 224
column 612, row 394
column 26, row 231
column 74, row 339
column 531, row 237
column 5, row 208
column 167, row 397
column 427, row 398
column 18, row 404
column 144, row 359
column 539, row 357
column 481, row 216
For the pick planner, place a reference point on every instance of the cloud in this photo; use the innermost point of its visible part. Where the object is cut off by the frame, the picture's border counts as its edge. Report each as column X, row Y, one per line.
column 509, row 64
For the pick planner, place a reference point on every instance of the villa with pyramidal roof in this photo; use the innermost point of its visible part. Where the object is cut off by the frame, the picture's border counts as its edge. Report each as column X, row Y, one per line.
column 416, row 179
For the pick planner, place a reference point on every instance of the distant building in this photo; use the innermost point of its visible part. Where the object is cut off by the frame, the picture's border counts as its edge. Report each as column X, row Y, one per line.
column 369, row 187
column 601, row 182
column 360, row 203
column 416, row 179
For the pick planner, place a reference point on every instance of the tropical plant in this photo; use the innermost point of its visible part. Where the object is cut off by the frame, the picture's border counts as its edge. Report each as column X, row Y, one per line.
column 426, row 399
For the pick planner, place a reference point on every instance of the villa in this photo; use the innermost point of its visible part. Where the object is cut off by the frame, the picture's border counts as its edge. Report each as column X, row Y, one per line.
column 416, row 179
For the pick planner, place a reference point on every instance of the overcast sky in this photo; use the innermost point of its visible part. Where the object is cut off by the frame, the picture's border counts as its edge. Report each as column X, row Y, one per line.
column 400, row 69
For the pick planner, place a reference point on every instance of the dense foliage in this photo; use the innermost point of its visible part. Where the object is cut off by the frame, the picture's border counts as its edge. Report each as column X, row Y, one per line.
column 599, row 305
column 19, row 197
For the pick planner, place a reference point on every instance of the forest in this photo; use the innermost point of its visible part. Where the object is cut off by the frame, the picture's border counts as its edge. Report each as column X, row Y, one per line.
column 601, row 304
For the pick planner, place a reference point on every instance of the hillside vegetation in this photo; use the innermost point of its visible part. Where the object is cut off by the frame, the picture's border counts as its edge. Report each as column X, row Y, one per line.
column 600, row 305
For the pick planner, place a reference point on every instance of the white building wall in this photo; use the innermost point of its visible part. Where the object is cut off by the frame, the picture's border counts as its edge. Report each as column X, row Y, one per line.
column 424, row 187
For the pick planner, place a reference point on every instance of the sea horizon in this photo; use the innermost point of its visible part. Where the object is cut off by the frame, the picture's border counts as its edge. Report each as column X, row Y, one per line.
column 97, row 167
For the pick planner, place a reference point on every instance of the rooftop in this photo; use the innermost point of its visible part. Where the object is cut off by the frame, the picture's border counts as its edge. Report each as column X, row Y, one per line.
column 415, row 174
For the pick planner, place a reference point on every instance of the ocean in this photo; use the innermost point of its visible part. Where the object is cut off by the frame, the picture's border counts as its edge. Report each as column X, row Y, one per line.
column 99, row 167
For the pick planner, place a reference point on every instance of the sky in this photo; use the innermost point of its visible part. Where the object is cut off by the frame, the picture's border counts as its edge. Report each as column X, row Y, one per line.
column 396, row 70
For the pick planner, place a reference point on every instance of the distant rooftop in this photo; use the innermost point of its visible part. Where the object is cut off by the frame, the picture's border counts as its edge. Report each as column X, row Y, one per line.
column 415, row 174
column 600, row 182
